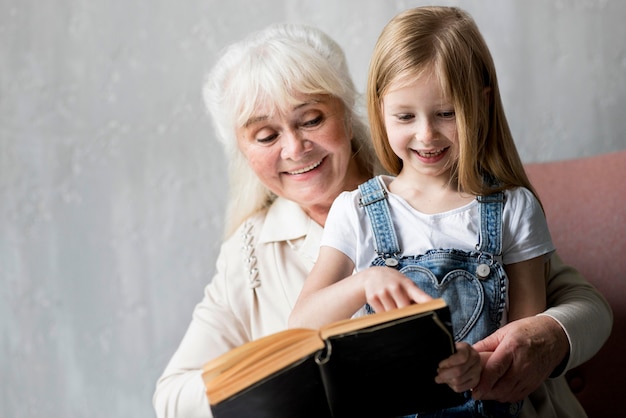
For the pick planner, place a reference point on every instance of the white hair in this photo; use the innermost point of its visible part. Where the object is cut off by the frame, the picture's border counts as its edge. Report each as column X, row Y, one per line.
column 271, row 67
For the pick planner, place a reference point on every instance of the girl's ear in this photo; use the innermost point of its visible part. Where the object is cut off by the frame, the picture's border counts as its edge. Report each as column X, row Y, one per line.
column 487, row 94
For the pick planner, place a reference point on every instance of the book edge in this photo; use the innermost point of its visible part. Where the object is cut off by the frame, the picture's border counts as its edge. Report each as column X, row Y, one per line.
column 354, row 324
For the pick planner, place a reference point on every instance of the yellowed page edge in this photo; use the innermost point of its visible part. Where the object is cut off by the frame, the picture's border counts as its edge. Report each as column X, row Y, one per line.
column 265, row 361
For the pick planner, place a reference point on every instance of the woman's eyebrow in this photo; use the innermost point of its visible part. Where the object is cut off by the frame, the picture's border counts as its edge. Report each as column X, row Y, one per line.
column 260, row 118
column 310, row 102
column 255, row 119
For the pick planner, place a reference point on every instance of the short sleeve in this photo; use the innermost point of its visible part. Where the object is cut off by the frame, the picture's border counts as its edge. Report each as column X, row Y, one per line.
column 342, row 230
column 525, row 233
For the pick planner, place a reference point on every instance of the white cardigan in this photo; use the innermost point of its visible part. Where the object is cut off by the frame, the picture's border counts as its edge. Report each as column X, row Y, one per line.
column 260, row 271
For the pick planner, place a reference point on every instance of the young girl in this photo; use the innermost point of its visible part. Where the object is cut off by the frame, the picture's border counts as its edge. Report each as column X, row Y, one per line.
column 459, row 220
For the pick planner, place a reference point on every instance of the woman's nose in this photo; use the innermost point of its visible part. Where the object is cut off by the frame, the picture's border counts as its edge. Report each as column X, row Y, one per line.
column 294, row 145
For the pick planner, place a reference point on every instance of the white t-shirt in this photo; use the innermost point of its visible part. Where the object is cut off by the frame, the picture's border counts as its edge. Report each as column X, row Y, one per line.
column 525, row 233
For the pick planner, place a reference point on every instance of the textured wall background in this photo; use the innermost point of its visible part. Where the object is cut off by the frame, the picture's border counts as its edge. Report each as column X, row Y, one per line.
column 111, row 186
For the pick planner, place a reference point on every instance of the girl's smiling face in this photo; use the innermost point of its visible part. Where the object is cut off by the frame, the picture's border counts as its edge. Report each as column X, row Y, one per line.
column 421, row 126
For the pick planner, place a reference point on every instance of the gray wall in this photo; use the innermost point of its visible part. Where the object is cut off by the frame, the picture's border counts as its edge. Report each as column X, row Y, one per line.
column 112, row 187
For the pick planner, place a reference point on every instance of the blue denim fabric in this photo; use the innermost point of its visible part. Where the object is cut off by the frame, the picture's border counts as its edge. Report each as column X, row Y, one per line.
column 472, row 409
column 473, row 283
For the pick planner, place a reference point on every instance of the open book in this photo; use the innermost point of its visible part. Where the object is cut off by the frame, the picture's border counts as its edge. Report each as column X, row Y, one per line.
column 379, row 365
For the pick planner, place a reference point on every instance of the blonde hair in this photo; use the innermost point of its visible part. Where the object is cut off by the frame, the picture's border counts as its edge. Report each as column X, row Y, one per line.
column 446, row 41
column 271, row 67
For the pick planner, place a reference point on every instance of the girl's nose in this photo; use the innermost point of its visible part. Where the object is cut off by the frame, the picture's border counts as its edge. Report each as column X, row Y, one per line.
column 294, row 146
column 424, row 131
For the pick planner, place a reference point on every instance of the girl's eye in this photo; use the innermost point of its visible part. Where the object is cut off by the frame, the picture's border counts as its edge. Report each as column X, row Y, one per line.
column 405, row 116
column 447, row 115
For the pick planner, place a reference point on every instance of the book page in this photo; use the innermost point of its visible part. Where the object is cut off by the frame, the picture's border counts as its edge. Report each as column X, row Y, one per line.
column 254, row 361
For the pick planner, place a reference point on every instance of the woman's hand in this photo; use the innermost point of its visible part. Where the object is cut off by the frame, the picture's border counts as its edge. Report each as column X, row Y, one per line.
column 525, row 353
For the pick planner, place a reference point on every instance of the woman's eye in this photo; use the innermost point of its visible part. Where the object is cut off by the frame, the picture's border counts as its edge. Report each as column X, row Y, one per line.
column 405, row 116
column 313, row 122
column 267, row 139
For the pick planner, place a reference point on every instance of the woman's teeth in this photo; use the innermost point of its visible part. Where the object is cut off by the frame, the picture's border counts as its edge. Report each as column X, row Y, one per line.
column 305, row 169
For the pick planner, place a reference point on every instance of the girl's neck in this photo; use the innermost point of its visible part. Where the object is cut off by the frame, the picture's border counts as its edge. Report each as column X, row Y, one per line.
column 429, row 194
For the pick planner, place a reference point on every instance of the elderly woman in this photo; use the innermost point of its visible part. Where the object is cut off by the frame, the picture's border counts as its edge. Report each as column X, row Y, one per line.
column 284, row 107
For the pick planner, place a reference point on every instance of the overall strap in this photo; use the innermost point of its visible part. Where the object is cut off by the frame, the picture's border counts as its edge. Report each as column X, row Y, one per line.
column 374, row 200
column 491, row 208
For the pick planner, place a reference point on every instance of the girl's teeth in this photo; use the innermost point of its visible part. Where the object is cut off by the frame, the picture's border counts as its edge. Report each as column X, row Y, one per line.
column 431, row 153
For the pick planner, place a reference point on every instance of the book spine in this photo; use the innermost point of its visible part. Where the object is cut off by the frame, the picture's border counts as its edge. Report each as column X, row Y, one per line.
column 321, row 358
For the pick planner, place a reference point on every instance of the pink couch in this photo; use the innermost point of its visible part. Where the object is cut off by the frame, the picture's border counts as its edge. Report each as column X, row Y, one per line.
column 585, row 204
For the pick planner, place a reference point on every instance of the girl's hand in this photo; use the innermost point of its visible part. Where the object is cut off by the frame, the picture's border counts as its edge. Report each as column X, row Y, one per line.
column 461, row 371
column 386, row 289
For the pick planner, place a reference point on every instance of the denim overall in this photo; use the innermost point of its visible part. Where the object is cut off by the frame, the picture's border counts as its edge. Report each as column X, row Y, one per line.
column 473, row 283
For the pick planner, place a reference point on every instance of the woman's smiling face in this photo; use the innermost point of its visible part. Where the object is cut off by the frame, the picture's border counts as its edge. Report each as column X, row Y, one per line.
column 303, row 154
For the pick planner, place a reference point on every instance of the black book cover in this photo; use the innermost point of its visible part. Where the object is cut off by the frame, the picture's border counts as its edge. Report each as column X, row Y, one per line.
column 381, row 365
column 296, row 391
column 389, row 370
